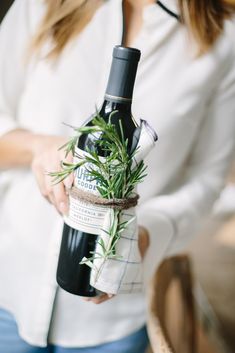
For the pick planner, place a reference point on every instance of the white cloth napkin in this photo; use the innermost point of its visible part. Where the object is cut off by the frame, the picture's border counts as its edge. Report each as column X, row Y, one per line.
column 122, row 274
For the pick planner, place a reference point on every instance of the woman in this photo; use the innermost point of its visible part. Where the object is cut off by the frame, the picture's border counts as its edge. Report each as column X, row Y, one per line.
column 185, row 88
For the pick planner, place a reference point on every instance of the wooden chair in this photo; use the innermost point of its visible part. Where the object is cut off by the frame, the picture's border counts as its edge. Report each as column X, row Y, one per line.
column 181, row 319
column 171, row 322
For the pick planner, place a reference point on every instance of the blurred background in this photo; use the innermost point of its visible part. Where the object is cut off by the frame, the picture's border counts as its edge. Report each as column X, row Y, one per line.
column 192, row 303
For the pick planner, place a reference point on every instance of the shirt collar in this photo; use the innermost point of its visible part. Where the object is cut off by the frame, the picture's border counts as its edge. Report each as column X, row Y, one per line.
column 172, row 5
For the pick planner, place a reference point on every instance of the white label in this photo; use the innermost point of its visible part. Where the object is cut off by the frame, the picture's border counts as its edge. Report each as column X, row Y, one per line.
column 82, row 215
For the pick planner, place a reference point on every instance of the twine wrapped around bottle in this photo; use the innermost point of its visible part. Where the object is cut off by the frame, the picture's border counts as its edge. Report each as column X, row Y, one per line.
column 118, row 204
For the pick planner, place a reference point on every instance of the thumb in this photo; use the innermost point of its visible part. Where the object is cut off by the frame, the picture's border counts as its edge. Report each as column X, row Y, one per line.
column 143, row 240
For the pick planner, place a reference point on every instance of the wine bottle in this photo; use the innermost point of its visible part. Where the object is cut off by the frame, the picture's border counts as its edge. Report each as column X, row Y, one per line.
column 82, row 225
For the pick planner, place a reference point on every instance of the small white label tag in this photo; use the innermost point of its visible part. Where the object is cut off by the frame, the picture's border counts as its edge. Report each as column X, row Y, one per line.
column 82, row 215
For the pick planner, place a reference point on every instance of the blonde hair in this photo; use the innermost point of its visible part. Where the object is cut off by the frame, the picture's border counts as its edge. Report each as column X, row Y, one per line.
column 64, row 19
column 205, row 19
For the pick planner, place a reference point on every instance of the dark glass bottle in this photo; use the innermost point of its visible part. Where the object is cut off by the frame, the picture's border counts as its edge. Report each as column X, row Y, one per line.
column 77, row 243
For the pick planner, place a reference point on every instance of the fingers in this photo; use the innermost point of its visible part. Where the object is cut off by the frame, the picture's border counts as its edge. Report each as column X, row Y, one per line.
column 59, row 197
column 59, row 193
column 68, row 182
column 143, row 241
column 47, row 158
column 40, row 179
column 54, row 193
column 100, row 299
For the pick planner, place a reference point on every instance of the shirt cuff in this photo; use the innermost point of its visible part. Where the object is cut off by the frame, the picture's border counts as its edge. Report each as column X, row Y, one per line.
column 161, row 233
column 7, row 124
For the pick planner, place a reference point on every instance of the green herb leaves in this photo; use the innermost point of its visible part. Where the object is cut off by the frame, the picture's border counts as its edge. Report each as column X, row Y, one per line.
column 117, row 175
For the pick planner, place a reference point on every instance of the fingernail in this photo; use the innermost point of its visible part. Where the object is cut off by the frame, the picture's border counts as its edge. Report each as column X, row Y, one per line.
column 110, row 295
column 63, row 208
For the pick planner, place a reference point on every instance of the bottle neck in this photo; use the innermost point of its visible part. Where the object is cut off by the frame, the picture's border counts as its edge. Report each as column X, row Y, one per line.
column 121, row 81
column 117, row 113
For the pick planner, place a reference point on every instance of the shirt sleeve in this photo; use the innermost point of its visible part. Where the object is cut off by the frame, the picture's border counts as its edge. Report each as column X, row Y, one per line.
column 15, row 34
column 173, row 219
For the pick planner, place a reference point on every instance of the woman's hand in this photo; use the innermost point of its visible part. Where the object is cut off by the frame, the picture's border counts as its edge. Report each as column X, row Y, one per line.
column 143, row 242
column 46, row 158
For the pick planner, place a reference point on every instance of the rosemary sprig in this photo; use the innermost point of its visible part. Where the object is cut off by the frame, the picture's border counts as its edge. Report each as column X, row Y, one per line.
column 116, row 174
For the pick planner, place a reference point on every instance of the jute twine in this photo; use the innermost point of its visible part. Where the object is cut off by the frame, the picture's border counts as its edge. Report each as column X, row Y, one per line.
column 119, row 204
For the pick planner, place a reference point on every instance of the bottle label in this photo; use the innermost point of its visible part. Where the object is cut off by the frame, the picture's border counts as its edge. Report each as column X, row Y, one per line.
column 83, row 215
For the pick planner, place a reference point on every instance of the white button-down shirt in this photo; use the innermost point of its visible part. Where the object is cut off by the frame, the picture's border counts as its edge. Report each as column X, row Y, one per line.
column 189, row 100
